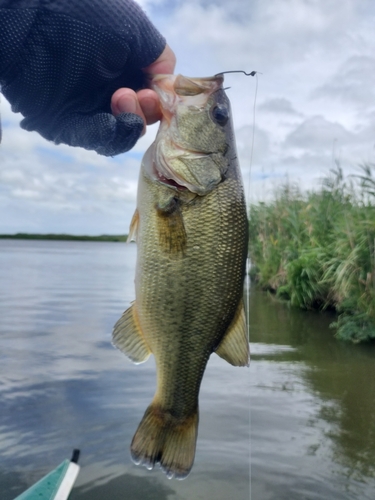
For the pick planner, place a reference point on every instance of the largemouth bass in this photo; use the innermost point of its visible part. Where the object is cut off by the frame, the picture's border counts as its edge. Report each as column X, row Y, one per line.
column 191, row 231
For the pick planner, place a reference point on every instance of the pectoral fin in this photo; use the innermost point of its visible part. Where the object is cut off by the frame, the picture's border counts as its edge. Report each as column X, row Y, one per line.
column 133, row 230
column 234, row 347
column 127, row 336
column 171, row 228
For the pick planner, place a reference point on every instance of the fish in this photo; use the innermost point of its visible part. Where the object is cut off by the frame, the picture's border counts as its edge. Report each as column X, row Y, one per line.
column 191, row 230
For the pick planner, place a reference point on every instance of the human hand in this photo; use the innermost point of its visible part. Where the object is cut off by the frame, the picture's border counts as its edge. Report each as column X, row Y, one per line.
column 61, row 62
column 144, row 103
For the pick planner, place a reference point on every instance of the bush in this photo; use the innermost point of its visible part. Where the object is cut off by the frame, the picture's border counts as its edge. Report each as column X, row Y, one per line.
column 318, row 250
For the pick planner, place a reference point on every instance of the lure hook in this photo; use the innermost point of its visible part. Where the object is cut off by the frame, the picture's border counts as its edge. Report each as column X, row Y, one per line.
column 252, row 73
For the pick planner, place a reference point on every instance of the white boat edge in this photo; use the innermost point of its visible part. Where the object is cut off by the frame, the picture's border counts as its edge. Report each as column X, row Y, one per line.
column 63, row 483
column 68, row 482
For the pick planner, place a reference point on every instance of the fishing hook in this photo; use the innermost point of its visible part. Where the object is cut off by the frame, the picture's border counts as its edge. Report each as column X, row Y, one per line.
column 252, row 73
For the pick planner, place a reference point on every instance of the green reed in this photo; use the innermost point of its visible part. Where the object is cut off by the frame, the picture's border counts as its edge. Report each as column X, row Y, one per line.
column 317, row 249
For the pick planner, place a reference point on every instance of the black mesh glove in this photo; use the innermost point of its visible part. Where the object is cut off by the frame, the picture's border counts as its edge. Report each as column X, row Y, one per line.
column 61, row 61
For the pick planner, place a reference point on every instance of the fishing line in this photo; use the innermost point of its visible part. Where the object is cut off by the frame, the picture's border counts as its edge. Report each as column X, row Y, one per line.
column 248, row 261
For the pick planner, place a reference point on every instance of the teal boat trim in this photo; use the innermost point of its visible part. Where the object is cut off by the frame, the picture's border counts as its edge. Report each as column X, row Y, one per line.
column 56, row 485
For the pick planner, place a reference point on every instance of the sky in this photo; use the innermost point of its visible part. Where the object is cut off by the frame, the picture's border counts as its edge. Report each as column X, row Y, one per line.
column 311, row 105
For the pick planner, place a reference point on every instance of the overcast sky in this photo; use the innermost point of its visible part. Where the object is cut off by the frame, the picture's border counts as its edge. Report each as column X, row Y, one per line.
column 315, row 104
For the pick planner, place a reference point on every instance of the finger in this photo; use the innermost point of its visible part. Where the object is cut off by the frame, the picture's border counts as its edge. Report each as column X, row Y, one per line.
column 164, row 64
column 150, row 104
column 126, row 101
column 107, row 135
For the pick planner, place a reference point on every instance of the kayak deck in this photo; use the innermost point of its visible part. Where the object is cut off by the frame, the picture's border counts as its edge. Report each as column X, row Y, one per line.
column 56, row 485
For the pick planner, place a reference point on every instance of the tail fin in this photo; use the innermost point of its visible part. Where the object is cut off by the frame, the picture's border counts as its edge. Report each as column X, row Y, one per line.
column 165, row 440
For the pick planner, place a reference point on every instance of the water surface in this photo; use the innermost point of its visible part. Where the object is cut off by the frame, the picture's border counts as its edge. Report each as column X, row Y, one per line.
column 312, row 407
column 63, row 386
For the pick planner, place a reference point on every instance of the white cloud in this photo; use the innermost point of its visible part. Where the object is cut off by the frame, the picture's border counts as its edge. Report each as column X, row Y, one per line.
column 353, row 83
column 249, row 145
column 317, row 134
column 278, row 105
column 315, row 101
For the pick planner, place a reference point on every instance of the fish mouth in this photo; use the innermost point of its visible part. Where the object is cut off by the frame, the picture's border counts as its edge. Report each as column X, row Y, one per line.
column 164, row 176
column 185, row 86
column 177, row 88
column 169, row 182
column 163, row 171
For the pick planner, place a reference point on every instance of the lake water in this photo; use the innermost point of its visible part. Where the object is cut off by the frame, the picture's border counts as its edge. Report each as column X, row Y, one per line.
column 299, row 424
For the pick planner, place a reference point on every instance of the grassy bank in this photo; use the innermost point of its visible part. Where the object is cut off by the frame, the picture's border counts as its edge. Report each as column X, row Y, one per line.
column 317, row 250
column 63, row 237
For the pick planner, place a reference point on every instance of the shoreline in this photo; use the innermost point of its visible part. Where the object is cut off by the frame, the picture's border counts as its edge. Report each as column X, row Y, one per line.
column 64, row 237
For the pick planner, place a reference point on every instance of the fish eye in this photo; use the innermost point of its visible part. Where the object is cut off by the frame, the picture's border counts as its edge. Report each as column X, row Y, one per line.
column 220, row 114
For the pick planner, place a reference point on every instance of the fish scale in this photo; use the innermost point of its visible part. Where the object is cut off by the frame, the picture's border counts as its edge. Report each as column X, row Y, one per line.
column 192, row 248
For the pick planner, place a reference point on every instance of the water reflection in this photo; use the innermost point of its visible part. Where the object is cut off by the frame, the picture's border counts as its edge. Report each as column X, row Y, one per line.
column 124, row 486
column 62, row 385
column 321, row 392
column 346, row 384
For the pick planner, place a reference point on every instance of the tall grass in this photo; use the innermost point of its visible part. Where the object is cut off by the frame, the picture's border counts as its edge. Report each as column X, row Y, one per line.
column 317, row 250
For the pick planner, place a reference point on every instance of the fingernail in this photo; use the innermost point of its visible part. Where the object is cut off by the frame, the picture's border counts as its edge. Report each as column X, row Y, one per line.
column 127, row 105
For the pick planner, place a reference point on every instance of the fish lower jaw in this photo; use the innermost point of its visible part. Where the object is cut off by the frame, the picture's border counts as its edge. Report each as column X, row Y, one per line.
column 169, row 182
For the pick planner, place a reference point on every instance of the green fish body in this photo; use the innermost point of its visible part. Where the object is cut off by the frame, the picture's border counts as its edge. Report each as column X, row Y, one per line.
column 191, row 231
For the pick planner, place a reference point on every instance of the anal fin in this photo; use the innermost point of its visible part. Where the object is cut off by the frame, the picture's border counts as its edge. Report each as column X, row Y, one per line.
column 234, row 346
column 127, row 337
